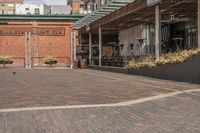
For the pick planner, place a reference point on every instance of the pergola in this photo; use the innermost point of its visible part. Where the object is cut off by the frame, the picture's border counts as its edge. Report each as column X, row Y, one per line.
column 120, row 14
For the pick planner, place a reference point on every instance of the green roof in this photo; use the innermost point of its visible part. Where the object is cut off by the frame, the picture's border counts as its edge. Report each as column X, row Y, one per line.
column 73, row 17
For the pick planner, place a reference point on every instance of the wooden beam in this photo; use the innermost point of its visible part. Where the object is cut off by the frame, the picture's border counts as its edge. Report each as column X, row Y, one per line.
column 126, row 10
column 157, row 32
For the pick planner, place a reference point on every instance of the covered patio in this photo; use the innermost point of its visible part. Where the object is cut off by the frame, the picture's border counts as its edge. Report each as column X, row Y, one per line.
column 121, row 30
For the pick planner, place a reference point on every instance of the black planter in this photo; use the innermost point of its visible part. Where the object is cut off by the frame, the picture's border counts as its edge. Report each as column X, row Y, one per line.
column 51, row 62
column 188, row 71
column 5, row 63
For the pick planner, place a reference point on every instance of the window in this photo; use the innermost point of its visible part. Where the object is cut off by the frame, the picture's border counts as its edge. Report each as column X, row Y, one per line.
column 2, row 4
column 11, row 12
column 1, row 12
column 37, row 11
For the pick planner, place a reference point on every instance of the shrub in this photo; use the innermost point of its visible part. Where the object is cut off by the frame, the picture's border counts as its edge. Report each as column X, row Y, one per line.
column 169, row 58
column 6, row 60
column 50, row 60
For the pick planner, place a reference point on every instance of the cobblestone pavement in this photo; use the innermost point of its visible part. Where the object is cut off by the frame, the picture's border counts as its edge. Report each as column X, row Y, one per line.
column 45, row 87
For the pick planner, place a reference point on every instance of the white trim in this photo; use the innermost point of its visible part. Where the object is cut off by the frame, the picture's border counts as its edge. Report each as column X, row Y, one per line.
column 121, row 104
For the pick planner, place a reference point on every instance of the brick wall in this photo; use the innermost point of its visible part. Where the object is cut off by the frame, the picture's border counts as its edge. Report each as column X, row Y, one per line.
column 47, row 39
column 11, row 1
column 76, row 6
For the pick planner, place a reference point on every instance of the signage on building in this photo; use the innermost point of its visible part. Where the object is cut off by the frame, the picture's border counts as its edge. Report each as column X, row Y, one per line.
column 43, row 31
column 153, row 2
column 50, row 31
column 4, row 31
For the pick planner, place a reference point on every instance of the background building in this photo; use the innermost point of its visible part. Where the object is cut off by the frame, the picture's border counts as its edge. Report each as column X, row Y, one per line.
column 20, row 7
column 76, row 6
column 89, row 6
column 49, row 36
column 32, row 8
column 60, row 9
column 8, row 6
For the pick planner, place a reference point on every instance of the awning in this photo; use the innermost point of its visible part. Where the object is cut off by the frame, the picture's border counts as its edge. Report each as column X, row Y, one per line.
column 111, row 6
column 136, row 12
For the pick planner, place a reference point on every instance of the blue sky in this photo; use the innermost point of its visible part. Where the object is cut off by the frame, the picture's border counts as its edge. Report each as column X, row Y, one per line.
column 51, row 2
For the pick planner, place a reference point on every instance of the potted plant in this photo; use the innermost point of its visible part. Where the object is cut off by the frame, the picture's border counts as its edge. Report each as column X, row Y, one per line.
column 50, row 60
column 6, row 60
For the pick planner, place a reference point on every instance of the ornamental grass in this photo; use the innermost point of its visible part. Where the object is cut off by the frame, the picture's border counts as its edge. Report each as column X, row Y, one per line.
column 169, row 58
column 6, row 60
column 50, row 60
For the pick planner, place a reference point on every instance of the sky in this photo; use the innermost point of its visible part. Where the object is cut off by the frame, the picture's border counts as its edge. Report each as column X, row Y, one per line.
column 49, row 2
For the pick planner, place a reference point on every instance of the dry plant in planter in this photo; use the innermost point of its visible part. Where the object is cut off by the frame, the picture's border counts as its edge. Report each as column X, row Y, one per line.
column 6, row 60
column 168, row 58
column 50, row 60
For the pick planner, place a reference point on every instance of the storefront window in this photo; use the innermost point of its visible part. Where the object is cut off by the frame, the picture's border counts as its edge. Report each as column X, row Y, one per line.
column 10, row 12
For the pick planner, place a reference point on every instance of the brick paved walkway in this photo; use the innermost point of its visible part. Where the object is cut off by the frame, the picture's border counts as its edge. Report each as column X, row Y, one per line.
column 179, row 114
column 41, row 88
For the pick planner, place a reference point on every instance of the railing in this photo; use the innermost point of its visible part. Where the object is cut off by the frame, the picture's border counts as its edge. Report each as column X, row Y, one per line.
column 111, row 61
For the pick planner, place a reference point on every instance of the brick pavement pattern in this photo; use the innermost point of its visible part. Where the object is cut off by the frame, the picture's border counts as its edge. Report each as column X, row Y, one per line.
column 53, row 87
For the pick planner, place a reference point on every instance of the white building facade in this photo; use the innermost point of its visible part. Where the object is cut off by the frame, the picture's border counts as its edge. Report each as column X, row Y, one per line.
column 60, row 9
column 32, row 9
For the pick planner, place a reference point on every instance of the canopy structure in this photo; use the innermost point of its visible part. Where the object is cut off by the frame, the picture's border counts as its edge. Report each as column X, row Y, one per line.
column 120, row 14
column 111, row 6
column 123, row 14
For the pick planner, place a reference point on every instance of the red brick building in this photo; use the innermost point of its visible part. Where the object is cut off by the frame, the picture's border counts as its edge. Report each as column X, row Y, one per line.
column 8, row 6
column 49, row 36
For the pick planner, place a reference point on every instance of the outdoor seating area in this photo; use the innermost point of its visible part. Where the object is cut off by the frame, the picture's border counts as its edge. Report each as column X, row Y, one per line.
column 137, row 29
column 113, row 61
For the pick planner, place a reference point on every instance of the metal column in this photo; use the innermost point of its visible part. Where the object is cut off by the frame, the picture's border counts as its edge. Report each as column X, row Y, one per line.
column 100, row 45
column 157, row 32
column 90, row 48
column 74, row 46
column 71, row 49
column 198, row 23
